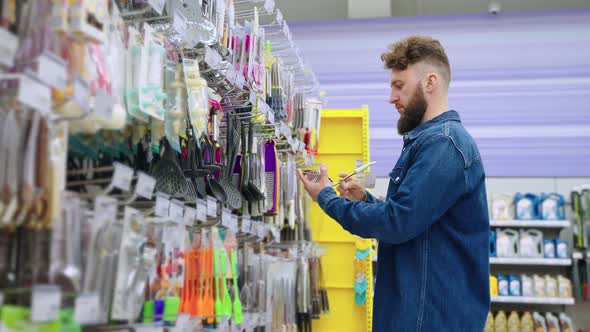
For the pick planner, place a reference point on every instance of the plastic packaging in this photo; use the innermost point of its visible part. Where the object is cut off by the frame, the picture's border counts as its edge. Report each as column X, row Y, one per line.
column 527, row 285
column 550, row 286
column 566, row 323
column 552, row 323
column 526, row 206
column 552, row 207
column 507, row 243
column 493, row 286
column 549, row 248
column 500, row 322
column 561, row 248
column 502, row 206
column 539, row 321
column 151, row 72
column 489, row 327
column 531, row 243
column 539, row 284
column 513, row 322
column 493, row 251
column 565, row 287
column 503, row 285
column 526, row 323
column 515, row 285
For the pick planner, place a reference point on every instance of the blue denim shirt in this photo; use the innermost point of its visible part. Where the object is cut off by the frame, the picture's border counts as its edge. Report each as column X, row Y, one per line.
column 433, row 232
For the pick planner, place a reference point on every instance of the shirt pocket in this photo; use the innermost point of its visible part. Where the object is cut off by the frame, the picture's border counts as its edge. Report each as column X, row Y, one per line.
column 396, row 176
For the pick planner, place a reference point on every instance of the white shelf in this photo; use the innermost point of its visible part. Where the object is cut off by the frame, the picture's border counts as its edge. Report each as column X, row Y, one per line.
column 579, row 255
column 530, row 261
column 533, row 300
column 531, row 223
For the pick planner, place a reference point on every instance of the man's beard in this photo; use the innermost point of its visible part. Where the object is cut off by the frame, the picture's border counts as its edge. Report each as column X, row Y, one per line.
column 413, row 112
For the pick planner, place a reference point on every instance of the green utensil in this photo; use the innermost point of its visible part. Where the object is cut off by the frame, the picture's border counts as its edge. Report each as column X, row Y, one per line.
column 171, row 305
column 238, row 316
column 149, row 310
column 216, row 274
column 226, row 305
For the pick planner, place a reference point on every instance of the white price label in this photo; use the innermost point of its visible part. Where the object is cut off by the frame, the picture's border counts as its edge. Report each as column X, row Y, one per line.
column 270, row 114
column 279, row 16
column 253, row 97
column 234, row 224
column 122, row 176
column 45, row 303
column 158, row 5
column 231, row 75
column 286, row 131
column 179, row 23
column 226, row 218
column 212, row 57
column 277, row 131
column 183, row 323
column 176, row 211
column 34, row 94
column 147, row 328
column 87, row 309
column 162, row 205
column 82, row 93
column 269, row 6
column 246, row 224
column 103, row 104
column 8, row 47
column 260, row 229
column 190, row 215
column 240, row 80
column 145, row 185
column 201, row 210
column 276, row 234
column 52, row 71
column 262, row 106
column 211, row 207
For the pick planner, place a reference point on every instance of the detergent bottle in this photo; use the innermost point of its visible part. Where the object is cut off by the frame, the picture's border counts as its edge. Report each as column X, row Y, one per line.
column 500, row 323
column 502, row 206
column 566, row 323
column 515, row 285
column 539, row 284
column 513, row 322
column 552, row 207
column 493, row 244
column 539, row 321
column 527, row 285
column 503, row 286
column 550, row 286
column 565, row 287
column 531, row 243
column 549, row 248
column 493, row 286
column 526, row 323
column 561, row 248
column 526, row 206
column 507, row 243
column 489, row 327
column 552, row 323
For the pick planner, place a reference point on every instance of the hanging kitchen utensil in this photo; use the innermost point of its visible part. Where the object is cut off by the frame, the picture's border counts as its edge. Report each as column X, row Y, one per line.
column 272, row 177
column 169, row 176
column 234, row 197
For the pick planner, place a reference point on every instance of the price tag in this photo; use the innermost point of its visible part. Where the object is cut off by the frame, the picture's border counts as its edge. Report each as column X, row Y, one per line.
column 190, row 215
column 147, row 328
column 158, row 5
column 87, row 309
column 211, row 207
column 212, row 57
column 240, row 80
column 246, row 224
column 34, row 94
column 179, row 23
column 231, row 75
column 269, row 6
column 82, row 93
column 45, row 303
column 8, row 47
column 122, row 176
column 270, row 115
column 176, row 211
column 162, row 205
column 276, row 234
column 277, row 131
column 226, row 218
column 183, row 323
column 103, row 104
column 201, row 210
column 279, row 16
column 145, row 185
column 234, row 224
column 253, row 97
column 286, row 131
column 260, row 229
column 52, row 71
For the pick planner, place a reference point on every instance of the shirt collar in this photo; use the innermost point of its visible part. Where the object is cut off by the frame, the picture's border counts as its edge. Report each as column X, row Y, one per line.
column 446, row 116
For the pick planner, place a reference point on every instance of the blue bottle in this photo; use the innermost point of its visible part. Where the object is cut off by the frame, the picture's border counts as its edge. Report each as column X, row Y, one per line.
column 493, row 244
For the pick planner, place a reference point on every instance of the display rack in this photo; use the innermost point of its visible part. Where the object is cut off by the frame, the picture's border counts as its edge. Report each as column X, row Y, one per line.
column 531, row 223
column 530, row 261
column 533, row 300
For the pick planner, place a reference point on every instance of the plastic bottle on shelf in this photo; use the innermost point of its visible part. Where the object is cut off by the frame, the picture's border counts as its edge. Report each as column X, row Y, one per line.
column 489, row 327
column 500, row 322
column 526, row 323
column 550, row 286
column 561, row 248
column 549, row 248
column 514, row 322
column 564, row 286
column 531, row 243
column 539, row 321
column 552, row 323
column 539, row 286
column 526, row 206
column 566, row 323
column 503, row 285
column 493, row 252
column 493, row 286
column 515, row 285
column 507, row 243
column 527, row 285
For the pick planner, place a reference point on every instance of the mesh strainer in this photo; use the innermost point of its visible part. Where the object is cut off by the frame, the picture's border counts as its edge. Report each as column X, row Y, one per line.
column 168, row 174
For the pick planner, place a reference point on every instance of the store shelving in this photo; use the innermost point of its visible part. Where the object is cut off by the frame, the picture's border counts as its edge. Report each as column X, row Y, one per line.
column 533, row 300
column 531, row 223
column 530, row 261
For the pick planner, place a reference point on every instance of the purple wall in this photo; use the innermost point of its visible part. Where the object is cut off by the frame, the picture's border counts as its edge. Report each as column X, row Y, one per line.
column 521, row 83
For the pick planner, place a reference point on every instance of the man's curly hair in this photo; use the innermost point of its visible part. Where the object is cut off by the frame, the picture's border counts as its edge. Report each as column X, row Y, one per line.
column 415, row 49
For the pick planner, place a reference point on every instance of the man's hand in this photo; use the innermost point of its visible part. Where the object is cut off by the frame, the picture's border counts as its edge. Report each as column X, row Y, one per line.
column 314, row 188
column 351, row 188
